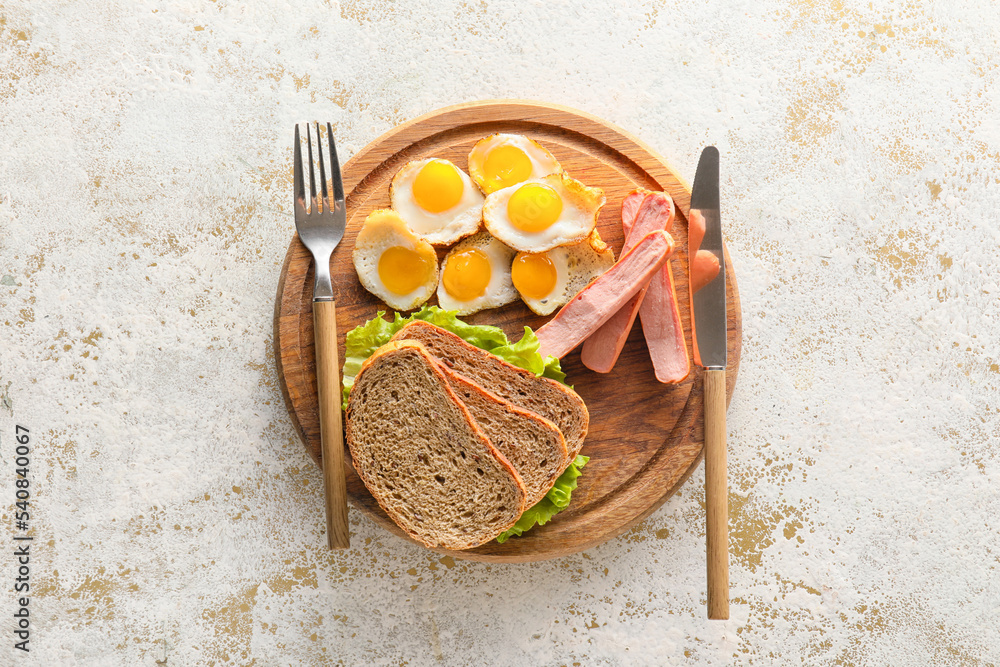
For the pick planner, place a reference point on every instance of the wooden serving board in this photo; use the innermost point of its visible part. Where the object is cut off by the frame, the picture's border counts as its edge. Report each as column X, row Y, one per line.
column 645, row 438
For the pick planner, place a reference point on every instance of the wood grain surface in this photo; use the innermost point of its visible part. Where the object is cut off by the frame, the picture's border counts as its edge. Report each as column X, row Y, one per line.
column 645, row 438
column 716, row 494
column 332, row 446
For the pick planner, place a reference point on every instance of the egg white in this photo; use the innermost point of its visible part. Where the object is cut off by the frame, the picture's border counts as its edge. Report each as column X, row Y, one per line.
column 459, row 221
column 499, row 291
column 580, row 207
column 576, row 266
column 384, row 229
column 542, row 161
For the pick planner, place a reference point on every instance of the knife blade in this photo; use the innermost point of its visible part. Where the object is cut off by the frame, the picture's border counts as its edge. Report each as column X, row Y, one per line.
column 709, row 323
column 709, row 303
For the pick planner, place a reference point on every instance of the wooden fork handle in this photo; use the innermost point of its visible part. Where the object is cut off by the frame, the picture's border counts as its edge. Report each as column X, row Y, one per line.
column 330, row 423
column 716, row 495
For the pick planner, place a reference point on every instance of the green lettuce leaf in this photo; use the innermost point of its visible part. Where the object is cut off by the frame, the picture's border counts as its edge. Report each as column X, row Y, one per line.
column 362, row 342
column 556, row 500
column 554, row 371
column 481, row 335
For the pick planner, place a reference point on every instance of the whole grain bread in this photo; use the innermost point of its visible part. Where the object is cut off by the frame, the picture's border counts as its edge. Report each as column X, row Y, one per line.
column 421, row 455
column 550, row 399
column 533, row 444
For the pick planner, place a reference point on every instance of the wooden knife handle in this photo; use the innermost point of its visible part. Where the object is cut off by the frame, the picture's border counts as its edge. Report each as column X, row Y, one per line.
column 330, row 424
column 716, row 495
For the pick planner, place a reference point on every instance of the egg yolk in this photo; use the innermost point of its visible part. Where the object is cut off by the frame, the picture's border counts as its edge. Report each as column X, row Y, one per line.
column 505, row 166
column 467, row 274
column 403, row 270
column 534, row 207
column 533, row 276
column 437, row 186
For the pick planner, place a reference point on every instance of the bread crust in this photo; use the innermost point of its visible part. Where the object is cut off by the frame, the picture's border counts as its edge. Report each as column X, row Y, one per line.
column 538, row 471
column 425, row 331
column 369, row 477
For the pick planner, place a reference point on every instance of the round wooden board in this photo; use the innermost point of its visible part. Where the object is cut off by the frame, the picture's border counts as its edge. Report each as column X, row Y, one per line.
column 645, row 438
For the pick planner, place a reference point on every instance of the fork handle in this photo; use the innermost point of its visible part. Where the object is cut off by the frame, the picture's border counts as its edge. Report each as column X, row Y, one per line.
column 330, row 424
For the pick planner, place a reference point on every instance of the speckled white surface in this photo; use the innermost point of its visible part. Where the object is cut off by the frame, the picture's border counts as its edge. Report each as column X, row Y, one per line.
column 144, row 213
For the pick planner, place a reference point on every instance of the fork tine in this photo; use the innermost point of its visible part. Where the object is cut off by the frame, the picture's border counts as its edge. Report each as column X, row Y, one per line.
column 322, row 172
column 338, row 183
column 299, row 186
column 312, row 174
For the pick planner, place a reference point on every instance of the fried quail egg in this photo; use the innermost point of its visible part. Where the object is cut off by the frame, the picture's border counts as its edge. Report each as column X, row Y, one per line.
column 548, row 280
column 540, row 214
column 475, row 275
column 502, row 160
column 437, row 200
column 393, row 263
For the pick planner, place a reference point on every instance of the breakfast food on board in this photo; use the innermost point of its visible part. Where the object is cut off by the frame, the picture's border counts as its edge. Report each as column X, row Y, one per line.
column 421, row 455
column 475, row 274
column 393, row 263
column 460, row 435
column 437, row 200
column 533, row 445
column 596, row 303
column 362, row 341
column 501, row 160
column 663, row 330
column 630, row 206
column 547, row 398
column 389, row 397
column 600, row 350
column 550, row 279
column 661, row 320
column 540, row 214
column 532, row 207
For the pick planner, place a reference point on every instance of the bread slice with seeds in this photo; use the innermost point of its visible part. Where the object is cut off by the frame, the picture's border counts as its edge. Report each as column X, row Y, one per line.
column 421, row 455
column 547, row 398
column 533, row 444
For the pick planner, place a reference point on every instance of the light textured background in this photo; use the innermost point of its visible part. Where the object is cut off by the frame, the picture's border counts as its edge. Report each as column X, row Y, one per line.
column 144, row 213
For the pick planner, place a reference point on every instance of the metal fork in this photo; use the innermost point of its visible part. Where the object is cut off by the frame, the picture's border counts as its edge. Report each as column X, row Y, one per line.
column 320, row 226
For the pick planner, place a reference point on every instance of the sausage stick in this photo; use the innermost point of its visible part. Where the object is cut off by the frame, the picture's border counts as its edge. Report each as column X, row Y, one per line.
column 596, row 303
column 602, row 348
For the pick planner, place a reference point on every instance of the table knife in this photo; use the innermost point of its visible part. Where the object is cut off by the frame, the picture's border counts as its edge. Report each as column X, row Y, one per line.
column 709, row 324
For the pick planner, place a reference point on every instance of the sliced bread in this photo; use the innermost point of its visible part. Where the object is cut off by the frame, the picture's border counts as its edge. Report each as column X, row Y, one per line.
column 547, row 398
column 421, row 455
column 533, row 444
